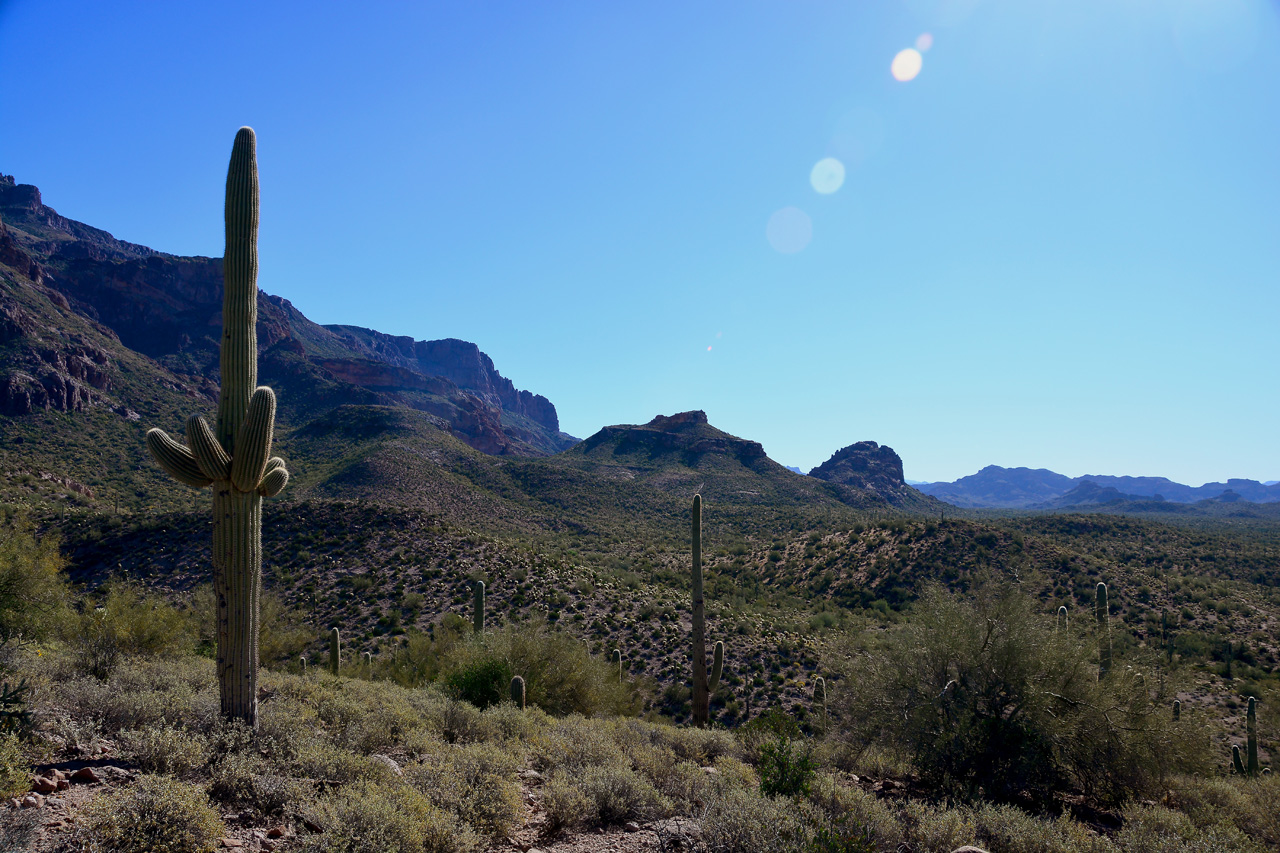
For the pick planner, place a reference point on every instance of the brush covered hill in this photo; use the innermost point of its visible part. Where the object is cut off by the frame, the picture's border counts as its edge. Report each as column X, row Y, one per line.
column 118, row 338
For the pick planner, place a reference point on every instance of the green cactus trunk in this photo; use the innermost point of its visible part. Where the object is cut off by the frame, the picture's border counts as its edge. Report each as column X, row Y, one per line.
column 335, row 651
column 1177, row 710
column 1236, row 764
column 1062, row 619
column 477, row 607
column 1251, row 733
column 703, row 686
column 517, row 692
column 236, row 458
column 616, row 660
column 1102, row 612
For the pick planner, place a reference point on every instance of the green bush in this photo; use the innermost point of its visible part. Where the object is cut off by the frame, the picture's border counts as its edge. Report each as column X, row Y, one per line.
column 32, row 591
column 561, row 677
column 370, row 818
column 783, row 759
column 15, row 772
column 747, row 822
column 129, row 621
column 985, row 697
column 156, row 814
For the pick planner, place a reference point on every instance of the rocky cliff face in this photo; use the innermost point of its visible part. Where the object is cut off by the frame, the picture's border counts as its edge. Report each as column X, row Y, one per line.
column 687, row 434
column 870, row 467
column 169, row 308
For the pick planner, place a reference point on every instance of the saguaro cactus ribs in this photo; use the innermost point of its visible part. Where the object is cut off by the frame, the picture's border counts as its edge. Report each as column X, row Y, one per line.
column 236, row 457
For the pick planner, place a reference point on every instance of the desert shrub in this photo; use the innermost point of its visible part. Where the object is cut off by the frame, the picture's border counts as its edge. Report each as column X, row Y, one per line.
column 747, row 822
column 18, row 829
column 475, row 782
column 681, row 782
column 575, row 743
column 511, row 723
column 619, row 794
column 703, row 746
column 165, row 749
column 129, row 621
column 932, row 829
column 370, row 818
column 480, row 680
column 984, row 696
column 156, row 814
column 1248, row 804
column 231, row 776
column 852, row 816
column 32, row 591
column 321, row 760
column 15, row 717
column 783, row 759
column 15, row 773
column 1156, row 829
column 1006, row 829
column 561, row 676
column 565, row 803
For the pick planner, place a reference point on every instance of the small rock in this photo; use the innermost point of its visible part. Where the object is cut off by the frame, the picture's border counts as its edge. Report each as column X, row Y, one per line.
column 277, row 832
column 389, row 762
column 311, row 824
column 43, row 785
column 63, row 784
column 268, row 845
column 32, row 801
column 632, row 827
column 85, row 774
column 57, row 775
column 231, row 842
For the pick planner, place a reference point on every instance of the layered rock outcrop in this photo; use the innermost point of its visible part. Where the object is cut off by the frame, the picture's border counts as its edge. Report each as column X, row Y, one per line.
column 868, row 466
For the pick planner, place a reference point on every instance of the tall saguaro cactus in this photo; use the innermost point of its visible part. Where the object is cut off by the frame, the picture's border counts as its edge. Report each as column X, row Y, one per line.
column 235, row 457
column 477, row 607
column 702, row 685
column 1251, row 737
column 1103, row 614
column 335, row 651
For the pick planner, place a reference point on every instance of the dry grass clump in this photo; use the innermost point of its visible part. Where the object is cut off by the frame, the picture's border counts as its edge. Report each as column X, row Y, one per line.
column 156, row 813
column 165, row 749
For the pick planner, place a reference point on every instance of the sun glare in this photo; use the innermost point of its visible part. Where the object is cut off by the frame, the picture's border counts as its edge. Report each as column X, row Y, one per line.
column 924, row 42
column 906, row 65
column 827, row 175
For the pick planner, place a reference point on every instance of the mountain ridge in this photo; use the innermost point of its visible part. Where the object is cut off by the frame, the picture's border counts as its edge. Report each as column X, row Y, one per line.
column 1040, row 488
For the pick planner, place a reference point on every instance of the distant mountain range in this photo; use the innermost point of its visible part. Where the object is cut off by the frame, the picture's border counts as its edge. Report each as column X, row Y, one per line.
column 1040, row 488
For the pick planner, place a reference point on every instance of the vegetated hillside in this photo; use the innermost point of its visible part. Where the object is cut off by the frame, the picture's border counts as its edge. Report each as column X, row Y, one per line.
column 89, row 322
column 1040, row 488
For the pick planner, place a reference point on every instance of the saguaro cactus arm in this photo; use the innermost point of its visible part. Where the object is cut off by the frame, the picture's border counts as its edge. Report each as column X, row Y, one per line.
column 1251, row 735
column 176, row 459
column 717, row 664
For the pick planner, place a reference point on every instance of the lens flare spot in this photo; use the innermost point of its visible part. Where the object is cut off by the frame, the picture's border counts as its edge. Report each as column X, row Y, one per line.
column 924, row 42
column 906, row 65
column 708, row 349
column 789, row 230
column 827, row 175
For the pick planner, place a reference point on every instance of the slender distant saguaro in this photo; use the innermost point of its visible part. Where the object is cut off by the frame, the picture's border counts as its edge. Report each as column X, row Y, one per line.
column 1102, row 613
column 702, row 686
column 236, row 458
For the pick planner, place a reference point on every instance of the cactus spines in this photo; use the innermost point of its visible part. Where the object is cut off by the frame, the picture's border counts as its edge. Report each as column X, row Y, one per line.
column 235, row 455
column 1177, row 710
column 335, row 650
column 1102, row 612
column 1062, row 619
column 820, row 695
column 1236, row 764
column 302, row 659
column 702, row 685
column 616, row 660
column 477, row 607
column 1251, row 734
column 517, row 692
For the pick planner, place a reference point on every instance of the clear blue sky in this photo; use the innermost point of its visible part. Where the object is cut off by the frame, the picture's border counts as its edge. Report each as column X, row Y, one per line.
column 1057, row 246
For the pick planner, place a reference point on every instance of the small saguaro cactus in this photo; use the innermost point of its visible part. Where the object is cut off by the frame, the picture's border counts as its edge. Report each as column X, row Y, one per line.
column 1236, row 764
column 1102, row 612
column 335, row 650
column 616, row 660
column 820, row 696
column 368, row 659
column 302, row 659
column 517, row 692
column 702, row 685
column 1062, row 619
column 235, row 456
column 1251, row 735
column 1177, row 710
column 477, row 607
